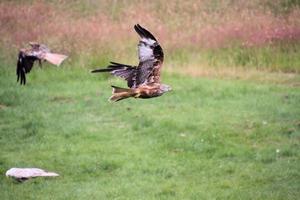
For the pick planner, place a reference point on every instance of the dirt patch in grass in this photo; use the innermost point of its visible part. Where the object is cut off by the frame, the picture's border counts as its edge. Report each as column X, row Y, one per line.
column 2, row 106
column 62, row 99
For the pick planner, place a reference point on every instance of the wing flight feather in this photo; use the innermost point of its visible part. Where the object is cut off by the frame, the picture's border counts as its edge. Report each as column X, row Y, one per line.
column 151, row 57
column 126, row 72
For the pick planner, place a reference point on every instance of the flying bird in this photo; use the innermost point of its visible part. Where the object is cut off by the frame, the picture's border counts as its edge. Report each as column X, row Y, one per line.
column 143, row 81
column 36, row 52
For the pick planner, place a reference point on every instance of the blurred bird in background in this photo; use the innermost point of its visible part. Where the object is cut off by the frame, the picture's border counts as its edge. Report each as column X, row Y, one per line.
column 36, row 52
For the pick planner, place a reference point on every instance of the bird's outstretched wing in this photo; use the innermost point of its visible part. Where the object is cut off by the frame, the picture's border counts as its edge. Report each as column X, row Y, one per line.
column 24, row 65
column 126, row 72
column 42, row 52
column 151, row 57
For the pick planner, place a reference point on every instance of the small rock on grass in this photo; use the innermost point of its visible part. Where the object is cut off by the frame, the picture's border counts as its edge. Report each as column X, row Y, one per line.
column 22, row 174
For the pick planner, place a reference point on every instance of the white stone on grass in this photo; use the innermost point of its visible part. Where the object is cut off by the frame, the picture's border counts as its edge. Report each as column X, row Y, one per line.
column 26, row 173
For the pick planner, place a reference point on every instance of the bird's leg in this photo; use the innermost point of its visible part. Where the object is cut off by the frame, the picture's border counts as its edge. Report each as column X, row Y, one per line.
column 40, row 63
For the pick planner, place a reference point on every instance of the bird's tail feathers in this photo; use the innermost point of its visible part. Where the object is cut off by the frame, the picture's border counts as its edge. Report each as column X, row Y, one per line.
column 54, row 58
column 120, row 93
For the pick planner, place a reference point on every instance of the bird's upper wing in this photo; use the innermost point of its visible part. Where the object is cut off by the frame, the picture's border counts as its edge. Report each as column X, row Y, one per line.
column 44, row 53
column 24, row 65
column 151, row 57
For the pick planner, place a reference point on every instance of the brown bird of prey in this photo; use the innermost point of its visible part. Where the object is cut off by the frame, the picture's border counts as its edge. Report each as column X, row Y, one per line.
column 28, row 56
column 143, row 80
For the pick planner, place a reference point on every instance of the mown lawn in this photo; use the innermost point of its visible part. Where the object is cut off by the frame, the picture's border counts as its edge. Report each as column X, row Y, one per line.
column 207, row 139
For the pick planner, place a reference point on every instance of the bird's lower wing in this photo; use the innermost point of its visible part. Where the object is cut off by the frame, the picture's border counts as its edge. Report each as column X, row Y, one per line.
column 126, row 72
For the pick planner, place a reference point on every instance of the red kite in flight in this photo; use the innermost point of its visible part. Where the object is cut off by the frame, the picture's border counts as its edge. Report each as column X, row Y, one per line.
column 28, row 56
column 143, row 80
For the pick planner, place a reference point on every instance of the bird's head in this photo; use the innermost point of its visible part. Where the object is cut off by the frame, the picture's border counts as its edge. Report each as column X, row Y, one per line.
column 34, row 44
column 39, row 47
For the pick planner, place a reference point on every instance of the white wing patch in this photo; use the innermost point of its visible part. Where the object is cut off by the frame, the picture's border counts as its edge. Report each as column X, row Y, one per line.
column 148, row 41
column 145, row 50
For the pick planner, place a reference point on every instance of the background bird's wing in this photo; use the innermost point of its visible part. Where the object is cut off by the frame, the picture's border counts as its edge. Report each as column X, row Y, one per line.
column 24, row 65
column 151, row 57
column 42, row 52
column 126, row 72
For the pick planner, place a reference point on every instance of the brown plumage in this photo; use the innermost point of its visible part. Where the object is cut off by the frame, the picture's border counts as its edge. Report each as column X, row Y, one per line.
column 36, row 52
column 143, row 80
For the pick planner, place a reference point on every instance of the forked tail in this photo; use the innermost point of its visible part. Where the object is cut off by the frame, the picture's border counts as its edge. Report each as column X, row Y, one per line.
column 121, row 93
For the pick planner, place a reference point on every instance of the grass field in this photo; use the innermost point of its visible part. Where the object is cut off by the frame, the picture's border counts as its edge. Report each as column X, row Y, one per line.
column 208, row 139
column 230, row 129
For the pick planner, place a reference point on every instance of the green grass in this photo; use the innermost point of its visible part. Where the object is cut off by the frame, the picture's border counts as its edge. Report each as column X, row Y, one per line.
column 279, row 57
column 208, row 139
